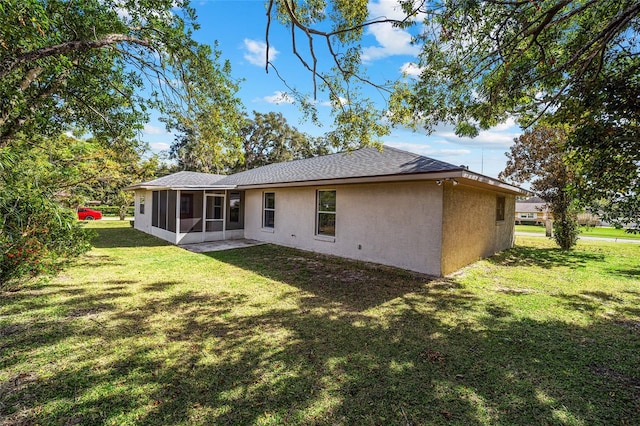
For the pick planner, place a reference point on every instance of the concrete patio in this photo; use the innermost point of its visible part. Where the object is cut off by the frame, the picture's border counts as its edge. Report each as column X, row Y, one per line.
column 220, row 245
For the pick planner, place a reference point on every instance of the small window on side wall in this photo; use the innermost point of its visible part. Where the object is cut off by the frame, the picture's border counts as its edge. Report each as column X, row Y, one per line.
column 500, row 206
column 269, row 210
column 141, row 204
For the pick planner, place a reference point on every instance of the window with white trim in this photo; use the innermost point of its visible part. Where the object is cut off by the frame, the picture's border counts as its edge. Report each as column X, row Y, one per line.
column 527, row 215
column 269, row 210
column 214, row 212
column 326, row 213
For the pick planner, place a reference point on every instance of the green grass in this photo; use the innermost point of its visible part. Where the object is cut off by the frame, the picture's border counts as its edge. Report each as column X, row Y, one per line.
column 586, row 231
column 140, row 332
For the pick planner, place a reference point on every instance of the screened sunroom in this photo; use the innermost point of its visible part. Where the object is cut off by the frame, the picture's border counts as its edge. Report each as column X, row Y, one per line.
column 173, row 209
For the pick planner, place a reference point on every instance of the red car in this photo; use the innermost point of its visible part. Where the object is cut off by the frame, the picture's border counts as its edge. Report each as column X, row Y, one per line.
column 88, row 214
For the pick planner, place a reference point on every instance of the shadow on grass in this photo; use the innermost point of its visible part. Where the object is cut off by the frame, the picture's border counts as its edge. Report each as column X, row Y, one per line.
column 627, row 273
column 600, row 302
column 330, row 369
column 124, row 237
column 544, row 257
column 354, row 285
column 355, row 344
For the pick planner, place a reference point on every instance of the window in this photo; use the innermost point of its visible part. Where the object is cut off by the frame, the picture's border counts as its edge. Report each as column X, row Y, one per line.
column 141, row 203
column 214, row 213
column 269, row 208
column 326, row 213
column 214, row 207
column 500, row 204
column 234, row 207
column 527, row 215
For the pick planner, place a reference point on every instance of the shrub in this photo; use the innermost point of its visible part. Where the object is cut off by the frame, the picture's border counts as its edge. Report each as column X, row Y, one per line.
column 38, row 236
column 113, row 210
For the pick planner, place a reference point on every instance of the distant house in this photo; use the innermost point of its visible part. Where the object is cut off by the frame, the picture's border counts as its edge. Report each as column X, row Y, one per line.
column 391, row 207
column 532, row 211
column 535, row 211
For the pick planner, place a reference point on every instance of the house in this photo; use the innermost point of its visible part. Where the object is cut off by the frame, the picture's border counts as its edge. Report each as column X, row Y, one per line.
column 535, row 211
column 532, row 211
column 385, row 206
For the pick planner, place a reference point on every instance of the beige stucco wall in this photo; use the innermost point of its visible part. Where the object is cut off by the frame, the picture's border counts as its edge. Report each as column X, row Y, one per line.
column 470, row 230
column 142, row 221
column 396, row 224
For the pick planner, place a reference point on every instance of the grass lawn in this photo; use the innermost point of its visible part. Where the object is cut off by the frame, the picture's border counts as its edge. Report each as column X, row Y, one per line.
column 140, row 332
column 586, row 231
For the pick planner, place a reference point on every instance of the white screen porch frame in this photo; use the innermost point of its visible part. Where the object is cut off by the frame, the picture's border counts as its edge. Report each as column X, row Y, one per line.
column 193, row 237
column 213, row 205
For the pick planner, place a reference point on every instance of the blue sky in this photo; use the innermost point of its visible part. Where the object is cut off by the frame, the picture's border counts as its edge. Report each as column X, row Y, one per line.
column 239, row 27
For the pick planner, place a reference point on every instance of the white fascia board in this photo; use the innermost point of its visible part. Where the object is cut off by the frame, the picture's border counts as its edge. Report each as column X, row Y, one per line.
column 180, row 188
column 353, row 180
column 486, row 180
column 470, row 178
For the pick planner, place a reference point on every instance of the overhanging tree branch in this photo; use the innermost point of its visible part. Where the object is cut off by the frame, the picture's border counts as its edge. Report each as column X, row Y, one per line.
column 12, row 63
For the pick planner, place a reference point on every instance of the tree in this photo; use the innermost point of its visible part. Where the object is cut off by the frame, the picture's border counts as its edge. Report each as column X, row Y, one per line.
column 539, row 156
column 209, row 131
column 37, row 234
column 479, row 60
column 94, row 66
column 483, row 61
column 268, row 138
column 98, row 65
column 605, row 145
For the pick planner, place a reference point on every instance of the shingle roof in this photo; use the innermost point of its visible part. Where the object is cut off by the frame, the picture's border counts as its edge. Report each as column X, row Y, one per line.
column 365, row 162
column 537, row 200
column 184, row 180
column 524, row 207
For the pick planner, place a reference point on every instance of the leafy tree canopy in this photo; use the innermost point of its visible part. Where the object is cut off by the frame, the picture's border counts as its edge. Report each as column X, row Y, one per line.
column 605, row 145
column 98, row 65
column 268, row 138
column 37, row 233
column 481, row 62
column 539, row 156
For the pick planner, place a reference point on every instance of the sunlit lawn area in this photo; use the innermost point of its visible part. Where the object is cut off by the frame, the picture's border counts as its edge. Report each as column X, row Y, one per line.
column 586, row 231
column 140, row 332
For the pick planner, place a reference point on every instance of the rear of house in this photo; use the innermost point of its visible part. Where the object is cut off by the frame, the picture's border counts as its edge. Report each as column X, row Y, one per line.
column 390, row 207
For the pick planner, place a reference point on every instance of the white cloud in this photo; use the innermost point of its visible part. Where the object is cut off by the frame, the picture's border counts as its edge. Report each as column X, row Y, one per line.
column 279, row 98
column 498, row 137
column 507, row 125
column 452, row 152
column 343, row 101
column 488, row 138
column 256, row 52
column 411, row 68
column 391, row 40
column 388, row 9
column 428, row 150
column 153, row 130
column 159, row 146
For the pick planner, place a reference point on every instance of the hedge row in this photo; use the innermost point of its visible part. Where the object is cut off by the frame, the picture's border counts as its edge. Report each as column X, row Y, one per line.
column 112, row 210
